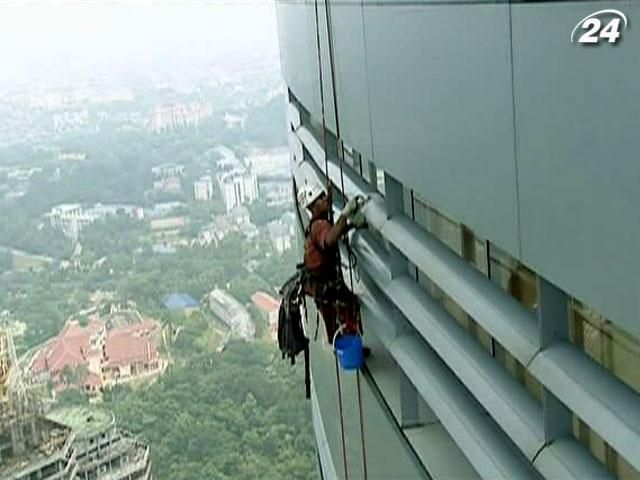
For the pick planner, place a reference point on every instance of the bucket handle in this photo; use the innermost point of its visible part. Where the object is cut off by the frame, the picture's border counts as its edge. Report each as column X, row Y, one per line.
column 335, row 336
column 339, row 331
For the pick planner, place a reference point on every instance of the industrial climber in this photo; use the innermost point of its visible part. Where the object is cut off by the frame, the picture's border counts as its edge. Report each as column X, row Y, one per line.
column 323, row 280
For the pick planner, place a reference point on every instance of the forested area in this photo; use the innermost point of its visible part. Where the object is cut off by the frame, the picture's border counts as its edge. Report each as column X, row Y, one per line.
column 239, row 415
column 45, row 299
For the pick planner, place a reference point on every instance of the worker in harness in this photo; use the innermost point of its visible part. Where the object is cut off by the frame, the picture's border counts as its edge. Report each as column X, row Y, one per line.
column 323, row 280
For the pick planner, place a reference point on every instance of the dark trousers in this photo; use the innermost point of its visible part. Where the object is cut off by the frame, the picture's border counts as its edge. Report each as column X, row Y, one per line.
column 338, row 307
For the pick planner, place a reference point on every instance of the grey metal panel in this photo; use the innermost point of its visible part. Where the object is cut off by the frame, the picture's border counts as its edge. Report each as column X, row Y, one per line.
column 441, row 107
column 386, row 455
column 439, row 453
column 500, row 314
column 485, row 445
column 561, row 458
column 506, row 400
column 299, row 58
column 322, row 443
column 325, row 60
column 578, row 143
column 609, row 407
column 487, row 449
column 352, row 83
column 559, row 368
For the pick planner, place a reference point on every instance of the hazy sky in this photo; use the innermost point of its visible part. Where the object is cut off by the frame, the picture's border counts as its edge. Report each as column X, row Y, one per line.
column 76, row 36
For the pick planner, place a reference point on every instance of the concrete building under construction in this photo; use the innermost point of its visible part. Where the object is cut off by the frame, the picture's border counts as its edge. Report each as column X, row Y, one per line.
column 30, row 445
column 103, row 451
column 65, row 444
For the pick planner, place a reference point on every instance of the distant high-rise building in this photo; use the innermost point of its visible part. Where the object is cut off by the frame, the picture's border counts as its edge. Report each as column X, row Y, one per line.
column 168, row 178
column 238, row 186
column 203, row 188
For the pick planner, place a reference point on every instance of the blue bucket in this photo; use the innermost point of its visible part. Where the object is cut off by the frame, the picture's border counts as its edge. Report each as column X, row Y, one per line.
column 349, row 351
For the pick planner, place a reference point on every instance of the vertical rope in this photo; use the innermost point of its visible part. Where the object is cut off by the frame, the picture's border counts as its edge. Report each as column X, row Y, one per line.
column 344, row 442
column 326, row 171
column 344, row 197
column 322, row 107
column 361, row 411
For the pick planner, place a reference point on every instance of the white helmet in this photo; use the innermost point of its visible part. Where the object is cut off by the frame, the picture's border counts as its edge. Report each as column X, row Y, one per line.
column 310, row 185
column 309, row 193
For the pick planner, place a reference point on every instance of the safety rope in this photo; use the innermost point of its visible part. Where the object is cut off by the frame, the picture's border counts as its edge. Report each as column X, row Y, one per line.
column 326, row 172
column 324, row 121
column 344, row 197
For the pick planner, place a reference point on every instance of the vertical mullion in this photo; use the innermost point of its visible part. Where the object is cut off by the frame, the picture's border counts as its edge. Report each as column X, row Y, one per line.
column 553, row 326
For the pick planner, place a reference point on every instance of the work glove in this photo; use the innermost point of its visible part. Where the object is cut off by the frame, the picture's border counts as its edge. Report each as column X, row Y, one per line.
column 358, row 219
column 351, row 207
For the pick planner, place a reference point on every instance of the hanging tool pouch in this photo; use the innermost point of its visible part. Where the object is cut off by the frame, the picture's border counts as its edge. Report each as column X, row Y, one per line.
column 291, row 337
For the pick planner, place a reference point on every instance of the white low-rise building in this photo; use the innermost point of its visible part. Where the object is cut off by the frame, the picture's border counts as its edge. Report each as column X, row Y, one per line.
column 71, row 218
column 269, row 162
column 282, row 232
column 168, row 170
column 232, row 313
column 170, row 117
column 277, row 192
column 238, row 220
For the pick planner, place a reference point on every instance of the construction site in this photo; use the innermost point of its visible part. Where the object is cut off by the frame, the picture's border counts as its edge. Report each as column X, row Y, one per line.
column 73, row 443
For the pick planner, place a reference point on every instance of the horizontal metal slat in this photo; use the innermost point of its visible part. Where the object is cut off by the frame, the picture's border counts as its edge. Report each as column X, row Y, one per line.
column 502, row 316
column 507, row 321
column 607, row 405
column 500, row 394
column 486, row 446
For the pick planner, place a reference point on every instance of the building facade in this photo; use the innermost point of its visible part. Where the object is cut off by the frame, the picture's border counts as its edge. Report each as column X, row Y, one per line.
column 498, row 274
column 103, row 452
column 31, row 447
column 182, row 115
column 269, row 308
column 232, row 313
column 203, row 189
column 238, row 186
column 93, row 357
column 72, row 218
column 47, row 454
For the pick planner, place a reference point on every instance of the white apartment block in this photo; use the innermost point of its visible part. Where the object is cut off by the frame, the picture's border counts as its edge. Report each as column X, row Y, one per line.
column 168, row 170
column 203, row 189
column 181, row 115
column 238, row 187
column 71, row 218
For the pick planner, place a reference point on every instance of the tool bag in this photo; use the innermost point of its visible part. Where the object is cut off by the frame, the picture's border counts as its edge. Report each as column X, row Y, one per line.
column 291, row 337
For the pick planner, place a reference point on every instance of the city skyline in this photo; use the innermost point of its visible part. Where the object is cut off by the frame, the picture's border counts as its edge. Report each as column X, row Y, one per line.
column 63, row 41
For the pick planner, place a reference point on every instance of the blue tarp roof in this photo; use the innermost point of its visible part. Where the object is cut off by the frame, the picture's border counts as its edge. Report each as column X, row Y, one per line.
column 179, row 301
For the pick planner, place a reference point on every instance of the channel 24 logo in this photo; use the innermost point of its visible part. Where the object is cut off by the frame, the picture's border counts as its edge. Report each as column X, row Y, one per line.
column 596, row 28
